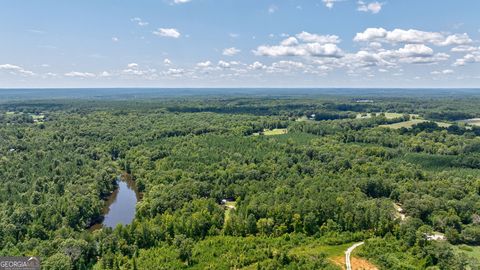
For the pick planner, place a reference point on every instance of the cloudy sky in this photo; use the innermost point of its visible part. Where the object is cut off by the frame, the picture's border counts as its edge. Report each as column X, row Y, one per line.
column 239, row 43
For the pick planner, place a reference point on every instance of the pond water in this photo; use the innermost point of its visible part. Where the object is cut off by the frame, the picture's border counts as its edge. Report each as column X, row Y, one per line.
column 120, row 205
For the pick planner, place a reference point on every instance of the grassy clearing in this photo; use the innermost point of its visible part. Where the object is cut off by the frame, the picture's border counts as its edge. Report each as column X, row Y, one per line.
column 388, row 115
column 411, row 123
column 38, row 117
column 314, row 249
column 302, row 119
column 272, row 132
column 473, row 121
column 229, row 207
column 470, row 251
column 10, row 113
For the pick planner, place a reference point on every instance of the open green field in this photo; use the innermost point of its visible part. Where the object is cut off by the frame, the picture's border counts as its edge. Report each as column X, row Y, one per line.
column 272, row 132
column 411, row 123
column 314, row 249
column 470, row 251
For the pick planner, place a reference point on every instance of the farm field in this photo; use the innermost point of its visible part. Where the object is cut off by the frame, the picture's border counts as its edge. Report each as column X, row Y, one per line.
column 272, row 132
column 388, row 115
column 410, row 123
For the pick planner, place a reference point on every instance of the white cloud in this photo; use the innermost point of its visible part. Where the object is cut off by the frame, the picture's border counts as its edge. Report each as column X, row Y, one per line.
column 289, row 41
column 465, row 48
column 139, row 21
column 181, row 1
column 204, row 64
column 312, row 45
column 167, row 62
column 80, row 74
column 416, row 50
column 135, row 70
column 167, row 32
column 115, row 39
column 233, row 35
column 444, row 72
column 105, row 74
column 411, row 36
column 230, row 51
column 224, row 64
column 371, row 34
column 373, row 7
column 330, row 3
column 257, row 66
column 13, row 69
column 470, row 58
column 307, row 37
column 175, row 72
column 308, row 49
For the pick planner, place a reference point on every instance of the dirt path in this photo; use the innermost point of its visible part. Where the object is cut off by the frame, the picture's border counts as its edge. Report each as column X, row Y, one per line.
column 347, row 255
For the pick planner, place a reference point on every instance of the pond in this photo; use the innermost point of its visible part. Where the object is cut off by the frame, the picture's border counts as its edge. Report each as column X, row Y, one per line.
column 120, row 205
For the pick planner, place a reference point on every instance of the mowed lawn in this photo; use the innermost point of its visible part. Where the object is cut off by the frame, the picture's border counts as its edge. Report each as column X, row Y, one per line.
column 411, row 123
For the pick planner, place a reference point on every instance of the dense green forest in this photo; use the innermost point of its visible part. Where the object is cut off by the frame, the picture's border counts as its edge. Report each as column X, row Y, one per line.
column 298, row 199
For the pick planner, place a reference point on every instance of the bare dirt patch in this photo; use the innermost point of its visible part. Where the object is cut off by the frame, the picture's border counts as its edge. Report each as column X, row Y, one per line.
column 357, row 263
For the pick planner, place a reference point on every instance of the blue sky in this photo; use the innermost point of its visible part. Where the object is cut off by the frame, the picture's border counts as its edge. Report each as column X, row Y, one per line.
column 239, row 43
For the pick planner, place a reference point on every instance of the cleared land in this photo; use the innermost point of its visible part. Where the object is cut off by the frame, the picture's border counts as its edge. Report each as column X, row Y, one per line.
column 409, row 124
column 229, row 207
column 388, row 115
column 272, row 132
column 470, row 251
column 473, row 121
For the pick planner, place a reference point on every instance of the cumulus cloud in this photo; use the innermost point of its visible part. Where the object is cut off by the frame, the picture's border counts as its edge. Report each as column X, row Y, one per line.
column 257, row 66
column 312, row 45
column 416, row 50
column 230, row 51
column 204, row 64
column 13, row 69
column 167, row 32
column 134, row 69
column 174, row 72
column 115, row 39
column 224, row 64
column 289, row 41
column 411, row 36
column 167, row 62
column 373, row 7
column 470, row 58
column 308, row 37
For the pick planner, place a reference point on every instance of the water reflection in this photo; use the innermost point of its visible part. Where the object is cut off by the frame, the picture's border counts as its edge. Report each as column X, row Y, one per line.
column 120, row 205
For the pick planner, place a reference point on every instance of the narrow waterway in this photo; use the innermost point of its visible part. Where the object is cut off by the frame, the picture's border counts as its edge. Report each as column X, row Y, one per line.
column 120, row 205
